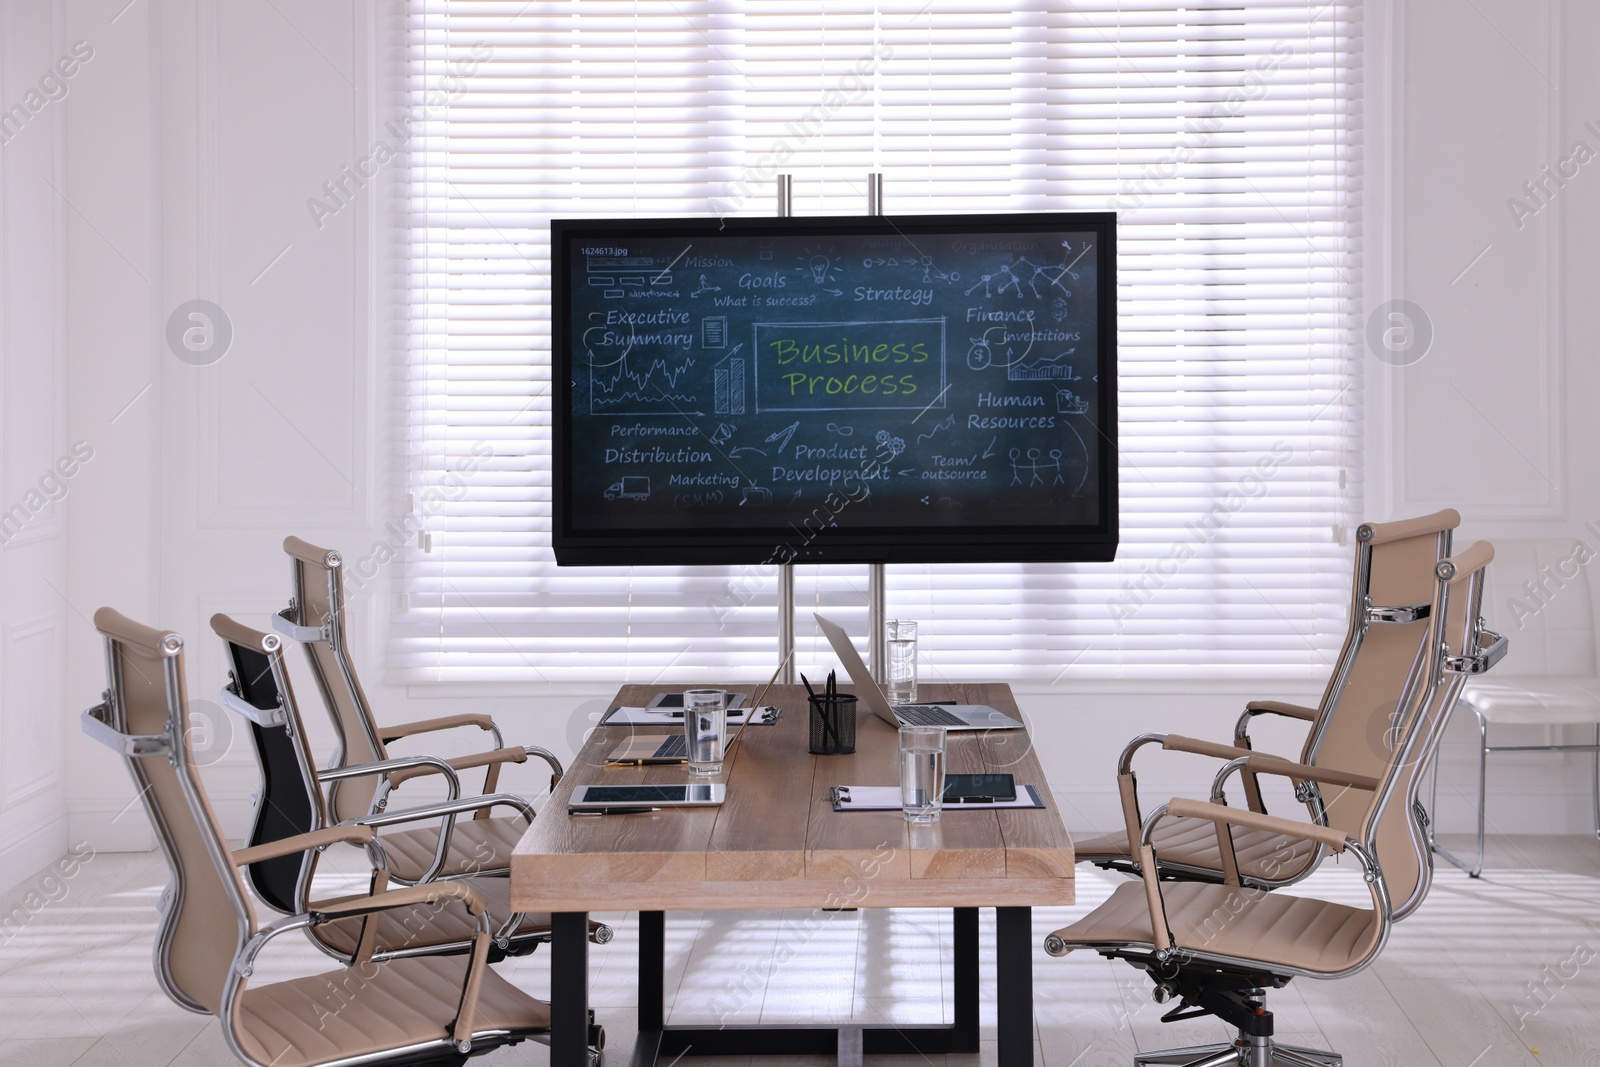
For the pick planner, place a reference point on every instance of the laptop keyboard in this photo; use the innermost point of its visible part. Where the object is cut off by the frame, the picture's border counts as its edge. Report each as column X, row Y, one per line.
column 927, row 715
column 674, row 746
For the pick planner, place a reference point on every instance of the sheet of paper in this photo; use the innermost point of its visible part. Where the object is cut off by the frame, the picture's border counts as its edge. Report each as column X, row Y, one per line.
column 674, row 716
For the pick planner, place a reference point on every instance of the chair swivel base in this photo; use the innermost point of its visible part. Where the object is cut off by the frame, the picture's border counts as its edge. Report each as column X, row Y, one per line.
column 1240, row 1002
column 1246, row 1052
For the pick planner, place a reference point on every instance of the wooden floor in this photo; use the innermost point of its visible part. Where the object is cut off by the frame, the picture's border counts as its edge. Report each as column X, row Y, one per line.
column 1451, row 989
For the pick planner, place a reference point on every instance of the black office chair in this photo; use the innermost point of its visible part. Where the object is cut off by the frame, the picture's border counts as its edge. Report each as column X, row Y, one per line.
column 291, row 803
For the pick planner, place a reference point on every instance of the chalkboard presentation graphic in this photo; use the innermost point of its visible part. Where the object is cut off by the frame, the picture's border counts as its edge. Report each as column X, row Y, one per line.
column 882, row 375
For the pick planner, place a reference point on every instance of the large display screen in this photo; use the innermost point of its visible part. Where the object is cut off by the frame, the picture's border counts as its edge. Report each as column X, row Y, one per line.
column 873, row 389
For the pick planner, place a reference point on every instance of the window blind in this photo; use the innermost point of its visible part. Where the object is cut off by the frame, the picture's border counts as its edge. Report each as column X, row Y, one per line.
column 1226, row 136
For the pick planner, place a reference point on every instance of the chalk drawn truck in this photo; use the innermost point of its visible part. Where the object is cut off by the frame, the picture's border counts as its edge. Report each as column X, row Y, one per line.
column 634, row 487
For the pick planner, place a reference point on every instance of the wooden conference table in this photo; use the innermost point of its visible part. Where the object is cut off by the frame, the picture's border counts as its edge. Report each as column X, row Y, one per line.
column 777, row 840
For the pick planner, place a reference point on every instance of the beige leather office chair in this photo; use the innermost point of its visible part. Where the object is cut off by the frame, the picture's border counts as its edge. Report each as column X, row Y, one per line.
column 432, row 1009
column 315, row 618
column 1391, row 593
column 1220, row 947
column 290, row 804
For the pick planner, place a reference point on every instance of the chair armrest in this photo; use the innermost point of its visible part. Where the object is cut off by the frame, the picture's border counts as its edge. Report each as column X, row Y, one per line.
column 444, row 722
column 450, row 807
column 1241, row 737
column 1275, row 707
column 1127, row 782
column 331, row 835
column 1178, row 807
column 1179, row 743
column 447, row 811
column 434, row 764
column 431, row 893
column 462, row 763
column 1265, row 764
column 1125, row 761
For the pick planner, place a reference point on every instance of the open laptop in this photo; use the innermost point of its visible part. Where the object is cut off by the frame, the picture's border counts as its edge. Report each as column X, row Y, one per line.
column 949, row 716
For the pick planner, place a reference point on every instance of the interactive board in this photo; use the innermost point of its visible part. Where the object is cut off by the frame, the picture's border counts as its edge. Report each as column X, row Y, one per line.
column 848, row 389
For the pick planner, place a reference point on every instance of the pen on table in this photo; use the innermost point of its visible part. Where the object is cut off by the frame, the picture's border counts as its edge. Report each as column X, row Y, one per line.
column 610, row 811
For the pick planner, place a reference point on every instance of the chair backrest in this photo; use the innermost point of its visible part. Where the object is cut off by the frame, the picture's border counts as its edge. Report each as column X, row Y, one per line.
column 1542, row 596
column 290, row 801
column 1390, row 824
column 318, row 611
column 1403, row 833
column 1359, row 715
column 206, row 916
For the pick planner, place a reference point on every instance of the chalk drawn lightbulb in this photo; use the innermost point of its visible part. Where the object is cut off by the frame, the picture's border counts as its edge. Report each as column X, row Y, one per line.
column 819, row 269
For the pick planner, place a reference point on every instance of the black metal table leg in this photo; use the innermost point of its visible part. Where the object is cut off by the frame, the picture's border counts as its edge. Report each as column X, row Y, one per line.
column 848, row 1043
column 652, row 987
column 965, row 985
column 1013, row 934
column 569, row 989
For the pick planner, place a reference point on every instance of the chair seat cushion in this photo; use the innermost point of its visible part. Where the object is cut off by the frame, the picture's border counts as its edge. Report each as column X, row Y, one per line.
column 475, row 845
column 1535, row 698
column 373, row 1009
column 1279, row 928
column 425, row 926
column 1193, row 843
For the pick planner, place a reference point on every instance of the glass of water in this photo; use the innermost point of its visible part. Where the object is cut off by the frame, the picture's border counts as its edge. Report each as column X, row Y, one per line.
column 705, row 728
column 902, row 688
column 921, row 772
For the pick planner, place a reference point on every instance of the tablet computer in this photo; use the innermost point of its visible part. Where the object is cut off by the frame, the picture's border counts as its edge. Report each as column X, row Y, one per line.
column 675, row 700
column 683, row 795
column 979, row 788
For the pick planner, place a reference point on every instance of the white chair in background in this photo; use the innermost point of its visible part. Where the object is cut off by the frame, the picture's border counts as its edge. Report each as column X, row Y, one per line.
column 1541, row 594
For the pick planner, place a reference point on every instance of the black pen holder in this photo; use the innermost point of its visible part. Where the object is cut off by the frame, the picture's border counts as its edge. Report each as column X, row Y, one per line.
column 833, row 724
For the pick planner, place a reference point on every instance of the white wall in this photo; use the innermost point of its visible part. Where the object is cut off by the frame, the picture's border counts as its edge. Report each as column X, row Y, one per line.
column 1496, row 420
column 190, row 144
column 34, row 435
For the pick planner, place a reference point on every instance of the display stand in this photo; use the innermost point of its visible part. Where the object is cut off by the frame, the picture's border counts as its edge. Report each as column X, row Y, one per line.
column 877, row 597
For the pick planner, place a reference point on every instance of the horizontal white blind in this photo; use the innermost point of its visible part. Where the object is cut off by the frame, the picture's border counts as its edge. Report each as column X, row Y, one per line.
column 1226, row 136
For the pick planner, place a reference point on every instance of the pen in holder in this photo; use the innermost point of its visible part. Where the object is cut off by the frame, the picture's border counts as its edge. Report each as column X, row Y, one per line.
column 833, row 724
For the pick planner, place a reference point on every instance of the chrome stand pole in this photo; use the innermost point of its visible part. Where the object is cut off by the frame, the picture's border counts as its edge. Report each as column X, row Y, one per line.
column 877, row 592
column 786, row 674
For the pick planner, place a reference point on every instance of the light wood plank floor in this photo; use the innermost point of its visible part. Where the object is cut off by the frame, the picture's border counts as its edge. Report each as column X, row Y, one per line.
column 1452, row 989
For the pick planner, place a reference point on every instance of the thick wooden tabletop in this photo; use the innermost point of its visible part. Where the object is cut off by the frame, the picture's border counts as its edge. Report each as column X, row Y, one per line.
column 778, row 843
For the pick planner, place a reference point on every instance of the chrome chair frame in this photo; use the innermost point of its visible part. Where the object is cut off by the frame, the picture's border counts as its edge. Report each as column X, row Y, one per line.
column 1369, row 614
column 108, row 723
column 329, row 632
column 1234, row 988
column 285, row 714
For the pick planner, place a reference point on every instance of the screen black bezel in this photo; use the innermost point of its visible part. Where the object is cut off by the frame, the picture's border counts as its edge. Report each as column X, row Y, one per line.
column 979, row 788
column 602, row 795
column 906, row 543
